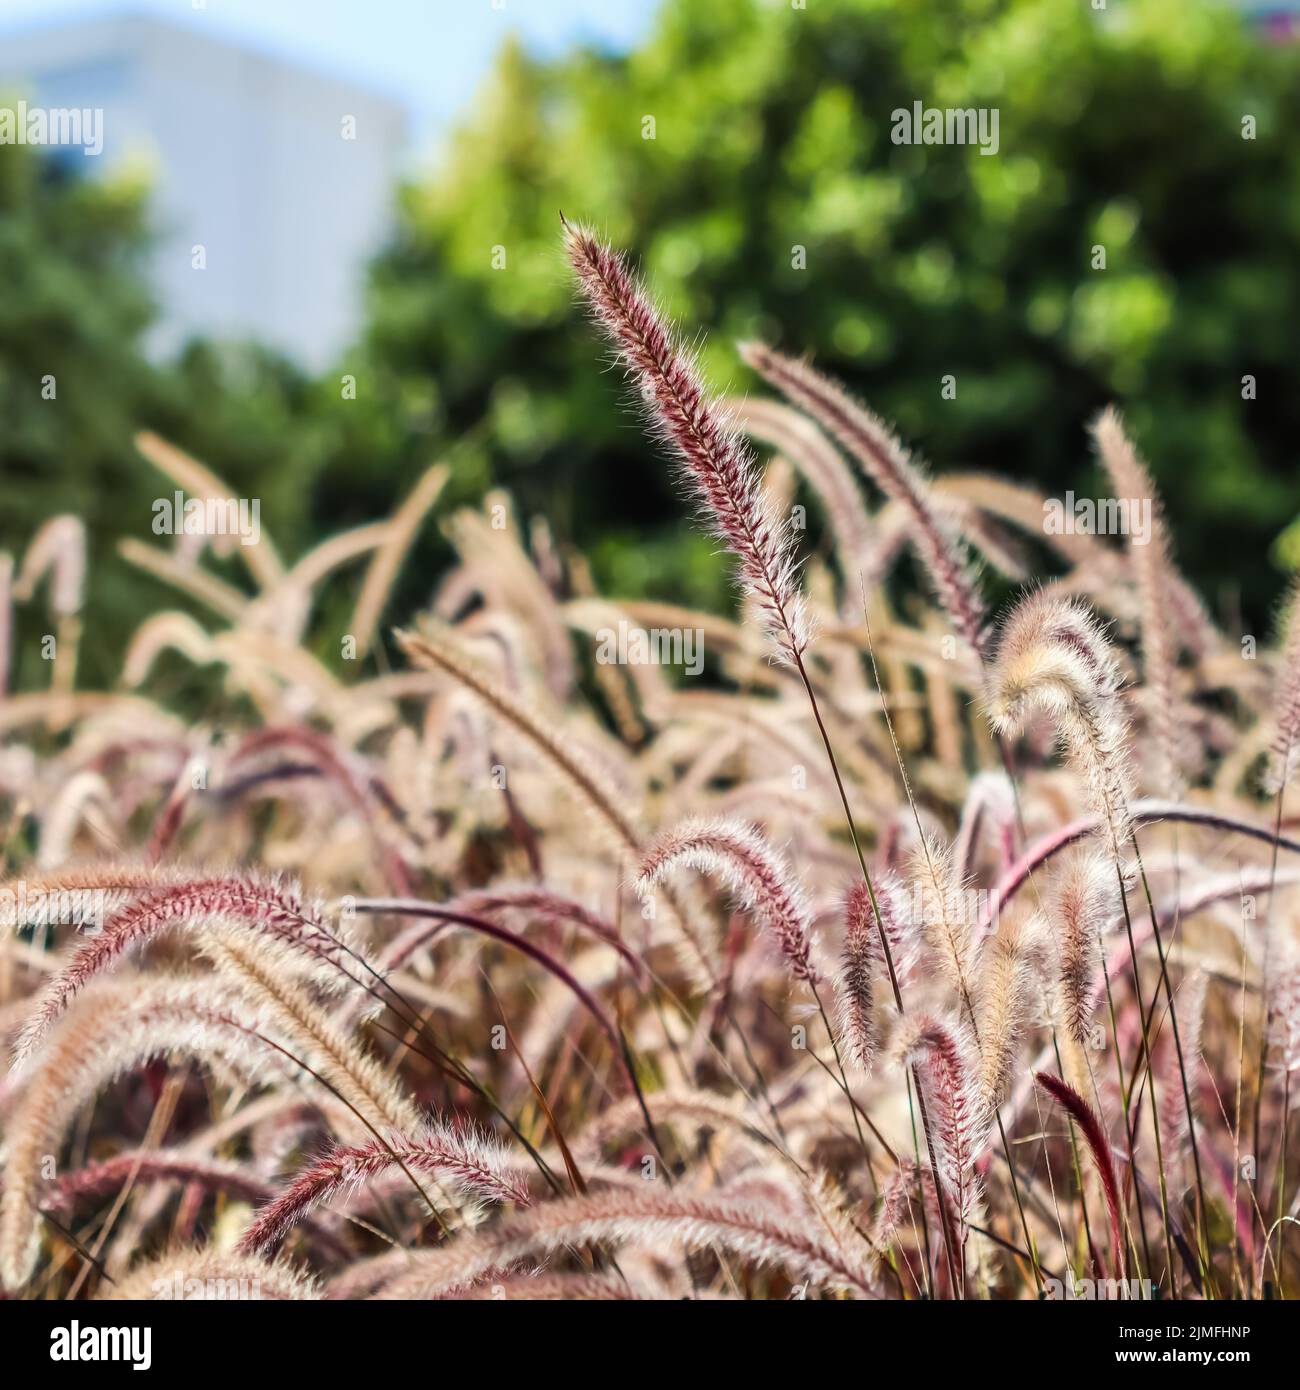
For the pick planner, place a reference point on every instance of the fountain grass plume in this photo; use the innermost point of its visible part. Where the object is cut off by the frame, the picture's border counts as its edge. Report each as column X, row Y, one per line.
column 474, row 1164
column 1053, row 658
column 713, row 460
column 274, row 909
column 882, row 457
column 959, row 1116
column 742, row 859
column 1155, row 575
column 1081, row 908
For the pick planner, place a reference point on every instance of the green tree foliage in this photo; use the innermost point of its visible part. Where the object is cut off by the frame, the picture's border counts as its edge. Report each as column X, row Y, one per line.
column 1120, row 128
column 76, row 385
column 71, row 378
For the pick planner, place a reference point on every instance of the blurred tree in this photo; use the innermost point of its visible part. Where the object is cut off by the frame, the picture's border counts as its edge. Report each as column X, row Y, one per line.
column 75, row 386
column 745, row 154
column 70, row 322
column 71, row 377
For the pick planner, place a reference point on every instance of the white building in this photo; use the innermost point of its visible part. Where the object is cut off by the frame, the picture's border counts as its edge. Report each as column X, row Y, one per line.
column 284, row 178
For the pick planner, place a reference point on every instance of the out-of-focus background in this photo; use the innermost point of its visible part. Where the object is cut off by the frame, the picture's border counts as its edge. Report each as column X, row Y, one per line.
column 319, row 250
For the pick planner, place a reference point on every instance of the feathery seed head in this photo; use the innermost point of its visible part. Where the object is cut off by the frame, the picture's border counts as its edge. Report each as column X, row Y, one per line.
column 261, row 906
column 112, row 1028
column 473, row 1161
column 742, row 859
column 882, row 457
column 1189, row 1009
column 750, row 1226
column 1158, row 590
column 897, row 920
column 894, row 1203
column 59, row 548
column 1009, row 964
column 1284, row 1007
column 959, row 1115
column 1081, row 910
column 942, row 909
column 854, row 985
column 177, row 1273
column 1054, row 657
column 714, row 461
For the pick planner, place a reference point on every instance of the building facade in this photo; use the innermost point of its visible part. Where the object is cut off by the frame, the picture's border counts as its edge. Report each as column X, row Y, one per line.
column 273, row 185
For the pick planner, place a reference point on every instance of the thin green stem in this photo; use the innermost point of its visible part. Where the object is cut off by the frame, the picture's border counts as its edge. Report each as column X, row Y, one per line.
column 1264, row 999
column 889, row 958
column 1143, row 1018
column 1202, row 1244
column 1074, row 1154
column 1128, row 1118
column 1281, row 1180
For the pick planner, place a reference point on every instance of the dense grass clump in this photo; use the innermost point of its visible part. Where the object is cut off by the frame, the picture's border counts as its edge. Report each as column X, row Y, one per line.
column 902, row 948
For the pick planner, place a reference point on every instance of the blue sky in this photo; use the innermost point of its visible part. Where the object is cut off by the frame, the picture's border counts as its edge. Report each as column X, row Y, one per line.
column 430, row 54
